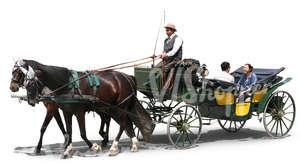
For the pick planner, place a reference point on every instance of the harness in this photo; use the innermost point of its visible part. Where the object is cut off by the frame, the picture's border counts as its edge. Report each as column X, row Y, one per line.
column 94, row 81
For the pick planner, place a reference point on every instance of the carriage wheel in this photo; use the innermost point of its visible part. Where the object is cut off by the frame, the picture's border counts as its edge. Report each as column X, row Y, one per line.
column 231, row 126
column 279, row 114
column 147, row 106
column 184, row 126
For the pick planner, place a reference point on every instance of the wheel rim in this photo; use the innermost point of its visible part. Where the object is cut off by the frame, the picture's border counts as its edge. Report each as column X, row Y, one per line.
column 279, row 114
column 184, row 126
column 147, row 106
column 231, row 126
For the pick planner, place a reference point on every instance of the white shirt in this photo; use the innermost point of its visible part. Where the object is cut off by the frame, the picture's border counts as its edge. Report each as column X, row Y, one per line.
column 177, row 44
column 224, row 76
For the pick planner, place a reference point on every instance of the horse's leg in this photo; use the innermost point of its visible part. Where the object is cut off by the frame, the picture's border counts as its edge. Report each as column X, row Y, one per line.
column 68, row 145
column 131, row 134
column 107, row 122
column 61, row 125
column 81, row 122
column 105, row 119
column 101, row 130
column 114, row 150
column 49, row 116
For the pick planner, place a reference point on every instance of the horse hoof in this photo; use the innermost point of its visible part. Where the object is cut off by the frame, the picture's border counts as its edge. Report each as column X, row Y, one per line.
column 104, row 144
column 65, row 156
column 134, row 149
column 96, row 147
column 113, row 152
column 37, row 151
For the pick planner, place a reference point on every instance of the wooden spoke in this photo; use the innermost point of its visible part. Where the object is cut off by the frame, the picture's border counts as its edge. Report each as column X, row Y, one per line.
column 273, row 126
column 284, row 124
column 276, row 127
column 189, row 138
column 288, row 107
column 289, row 113
column 287, row 119
column 178, row 138
column 225, row 122
column 234, row 126
column 185, row 113
column 270, row 122
column 281, row 128
column 285, row 101
column 192, row 120
column 175, row 118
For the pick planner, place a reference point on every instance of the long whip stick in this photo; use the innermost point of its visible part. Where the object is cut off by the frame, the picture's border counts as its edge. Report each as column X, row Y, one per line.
column 162, row 22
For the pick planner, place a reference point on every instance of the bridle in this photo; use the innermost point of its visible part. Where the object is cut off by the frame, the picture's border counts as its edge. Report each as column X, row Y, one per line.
column 26, row 78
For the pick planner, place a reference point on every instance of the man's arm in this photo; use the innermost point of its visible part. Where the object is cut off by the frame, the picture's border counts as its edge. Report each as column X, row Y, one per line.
column 177, row 44
column 232, row 79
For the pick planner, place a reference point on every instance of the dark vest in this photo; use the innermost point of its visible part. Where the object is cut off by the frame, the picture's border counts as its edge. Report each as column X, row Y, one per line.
column 169, row 46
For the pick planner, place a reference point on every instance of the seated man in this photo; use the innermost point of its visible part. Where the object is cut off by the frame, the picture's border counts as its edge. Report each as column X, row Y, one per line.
column 172, row 48
column 247, row 81
column 224, row 75
column 171, row 54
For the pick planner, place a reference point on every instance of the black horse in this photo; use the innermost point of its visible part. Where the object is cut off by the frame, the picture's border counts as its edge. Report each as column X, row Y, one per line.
column 52, row 110
column 117, row 95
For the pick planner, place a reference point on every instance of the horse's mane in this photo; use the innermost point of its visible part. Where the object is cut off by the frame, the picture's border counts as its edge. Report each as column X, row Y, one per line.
column 56, row 76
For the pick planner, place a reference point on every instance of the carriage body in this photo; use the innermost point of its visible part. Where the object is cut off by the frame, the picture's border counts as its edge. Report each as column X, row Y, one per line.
column 215, row 99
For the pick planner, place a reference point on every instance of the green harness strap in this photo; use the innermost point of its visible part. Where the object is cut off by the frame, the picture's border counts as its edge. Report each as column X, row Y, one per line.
column 97, row 82
column 90, row 79
column 76, row 78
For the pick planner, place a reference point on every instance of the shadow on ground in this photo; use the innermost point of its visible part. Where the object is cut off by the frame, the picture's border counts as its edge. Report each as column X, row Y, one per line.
column 158, row 142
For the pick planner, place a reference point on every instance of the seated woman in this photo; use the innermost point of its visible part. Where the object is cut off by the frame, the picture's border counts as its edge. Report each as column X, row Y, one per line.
column 247, row 80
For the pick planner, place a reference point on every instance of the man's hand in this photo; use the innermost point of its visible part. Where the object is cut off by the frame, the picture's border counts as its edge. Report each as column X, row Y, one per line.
column 153, row 56
column 163, row 56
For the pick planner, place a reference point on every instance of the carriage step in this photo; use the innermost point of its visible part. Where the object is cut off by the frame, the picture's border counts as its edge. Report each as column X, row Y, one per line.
column 206, row 123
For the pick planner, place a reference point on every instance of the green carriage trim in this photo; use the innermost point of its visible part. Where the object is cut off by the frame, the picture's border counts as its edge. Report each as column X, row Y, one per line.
column 264, row 100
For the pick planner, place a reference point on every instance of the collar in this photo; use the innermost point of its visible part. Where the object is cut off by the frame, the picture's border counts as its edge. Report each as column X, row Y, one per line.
column 172, row 35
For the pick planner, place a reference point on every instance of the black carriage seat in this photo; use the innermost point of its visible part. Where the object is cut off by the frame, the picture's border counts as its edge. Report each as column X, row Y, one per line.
column 219, row 84
column 261, row 73
column 265, row 77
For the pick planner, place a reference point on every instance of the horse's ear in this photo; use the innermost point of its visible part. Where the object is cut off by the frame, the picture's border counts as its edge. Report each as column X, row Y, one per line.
column 38, row 73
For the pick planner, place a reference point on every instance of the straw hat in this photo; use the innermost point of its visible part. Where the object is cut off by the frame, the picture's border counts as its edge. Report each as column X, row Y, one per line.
column 171, row 26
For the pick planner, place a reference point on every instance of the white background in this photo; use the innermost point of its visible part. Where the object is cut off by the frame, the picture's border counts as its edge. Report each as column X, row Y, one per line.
column 88, row 34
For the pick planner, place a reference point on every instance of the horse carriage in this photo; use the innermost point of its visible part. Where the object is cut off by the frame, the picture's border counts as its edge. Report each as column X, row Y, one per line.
column 185, row 101
column 195, row 101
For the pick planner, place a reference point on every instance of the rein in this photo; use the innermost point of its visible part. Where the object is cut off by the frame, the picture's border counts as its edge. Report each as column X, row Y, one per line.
column 112, row 67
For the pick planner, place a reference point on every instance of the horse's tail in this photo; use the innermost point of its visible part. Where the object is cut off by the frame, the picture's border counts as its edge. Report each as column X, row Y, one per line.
column 141, row 119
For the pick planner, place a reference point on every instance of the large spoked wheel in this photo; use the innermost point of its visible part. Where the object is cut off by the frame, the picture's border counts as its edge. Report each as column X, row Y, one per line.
column 231, row 126
column 184, row 126
column 147, row 106
column 279, row 114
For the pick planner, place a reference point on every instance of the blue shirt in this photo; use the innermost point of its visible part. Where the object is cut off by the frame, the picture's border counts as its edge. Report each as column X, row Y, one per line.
column 245, row 83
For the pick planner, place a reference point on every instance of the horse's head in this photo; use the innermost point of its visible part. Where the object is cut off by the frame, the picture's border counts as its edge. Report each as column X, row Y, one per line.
column 17, row 79
column 23, row 75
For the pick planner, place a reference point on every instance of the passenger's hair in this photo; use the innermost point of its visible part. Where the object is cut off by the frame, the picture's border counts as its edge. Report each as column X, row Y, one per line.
column 250, row 67
column 225, row 65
